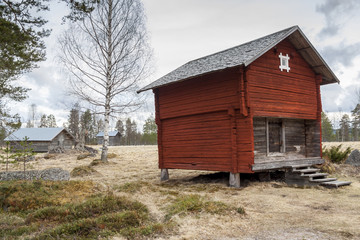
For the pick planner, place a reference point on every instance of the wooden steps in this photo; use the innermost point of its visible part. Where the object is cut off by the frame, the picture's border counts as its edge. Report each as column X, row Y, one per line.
column 305, row 175
column 336, row 184
column 308, row 170
column 323, row 180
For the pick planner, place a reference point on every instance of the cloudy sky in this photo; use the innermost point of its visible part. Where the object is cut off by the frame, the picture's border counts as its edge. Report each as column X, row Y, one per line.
column 183, row 30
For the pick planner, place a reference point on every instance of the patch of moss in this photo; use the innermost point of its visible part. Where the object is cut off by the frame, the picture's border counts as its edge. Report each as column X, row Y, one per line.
column 11, row 232
column 48, row 216
column 49, row 155
column 111, row 155
column 193, row 203
column 18, row 196
column 82, row 171
column 131, row 187
column 186, row 204
column 97, row 162
column 83, row 156
column 240, row 210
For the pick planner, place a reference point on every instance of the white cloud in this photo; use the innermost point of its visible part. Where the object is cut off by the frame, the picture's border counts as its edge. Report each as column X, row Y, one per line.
column 183, row 30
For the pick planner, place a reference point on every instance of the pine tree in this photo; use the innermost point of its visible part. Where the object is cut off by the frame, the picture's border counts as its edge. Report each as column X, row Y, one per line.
column 128, row 132
column 51, row 121
column 134, row 133
column 345, row 128
column 99, row 126
column 86, row 126
column 74, row 121
column 43, row 121
column 326, row 128
column 356, row 122
column 150, row 131
column 120, row 127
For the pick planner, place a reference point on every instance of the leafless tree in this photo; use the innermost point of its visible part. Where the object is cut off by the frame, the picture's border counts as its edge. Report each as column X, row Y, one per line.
column 32, row 116
column 107, row 55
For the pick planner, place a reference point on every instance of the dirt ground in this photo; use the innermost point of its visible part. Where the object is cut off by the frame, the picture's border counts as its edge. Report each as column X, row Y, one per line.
column 273, row 209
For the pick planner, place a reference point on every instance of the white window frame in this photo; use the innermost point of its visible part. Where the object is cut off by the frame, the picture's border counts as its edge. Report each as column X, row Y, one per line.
column 284, row 62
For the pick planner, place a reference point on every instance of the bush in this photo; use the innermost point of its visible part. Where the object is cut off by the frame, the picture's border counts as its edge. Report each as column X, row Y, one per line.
column 335, row 154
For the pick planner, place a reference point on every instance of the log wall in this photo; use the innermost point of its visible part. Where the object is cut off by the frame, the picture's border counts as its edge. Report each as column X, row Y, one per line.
column 63, row 140
column 295, row 136
column 200, row 124
column 313, row 138
column 275, row 93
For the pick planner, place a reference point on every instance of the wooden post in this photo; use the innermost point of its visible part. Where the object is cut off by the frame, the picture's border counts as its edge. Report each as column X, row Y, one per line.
column 319, row 108
column 164, row 174
column 267, row 136
column 232, row 115
column 159, row 128
column 242, row 94
column 283, row 139
column 234, row 180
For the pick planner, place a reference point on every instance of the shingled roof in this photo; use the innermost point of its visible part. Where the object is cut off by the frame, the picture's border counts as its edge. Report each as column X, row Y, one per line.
column 247, row 53
column 35, row 134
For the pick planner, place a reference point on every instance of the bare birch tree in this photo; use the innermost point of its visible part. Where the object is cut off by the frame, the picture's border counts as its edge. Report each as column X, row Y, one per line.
column 107, row 55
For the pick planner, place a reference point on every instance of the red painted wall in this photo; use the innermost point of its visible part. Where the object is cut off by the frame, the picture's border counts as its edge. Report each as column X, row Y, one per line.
column 275, row 93
column 196, row 128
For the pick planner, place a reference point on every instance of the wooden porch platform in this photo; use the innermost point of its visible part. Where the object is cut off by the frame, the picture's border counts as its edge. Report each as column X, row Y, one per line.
column 264, row 166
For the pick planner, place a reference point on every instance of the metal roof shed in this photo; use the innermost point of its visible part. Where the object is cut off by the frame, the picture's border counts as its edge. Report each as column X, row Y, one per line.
column 42, row 139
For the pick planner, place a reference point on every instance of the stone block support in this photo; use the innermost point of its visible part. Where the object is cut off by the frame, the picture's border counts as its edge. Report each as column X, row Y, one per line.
column 164, row 174
column 234, row 180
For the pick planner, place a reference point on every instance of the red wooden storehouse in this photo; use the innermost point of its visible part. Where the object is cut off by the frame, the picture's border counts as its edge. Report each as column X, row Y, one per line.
column 253, row 107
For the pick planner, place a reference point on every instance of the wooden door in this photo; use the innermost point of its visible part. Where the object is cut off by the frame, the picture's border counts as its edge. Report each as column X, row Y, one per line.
column 274, row 136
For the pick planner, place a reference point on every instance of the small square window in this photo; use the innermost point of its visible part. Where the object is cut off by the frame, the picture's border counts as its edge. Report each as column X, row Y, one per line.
column 284, row 62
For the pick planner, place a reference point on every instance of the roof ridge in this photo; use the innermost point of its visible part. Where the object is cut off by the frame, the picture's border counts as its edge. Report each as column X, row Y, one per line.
column 246, row 43
column 243, row 54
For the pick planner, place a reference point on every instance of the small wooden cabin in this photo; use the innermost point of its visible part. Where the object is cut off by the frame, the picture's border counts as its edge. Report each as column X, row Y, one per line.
column 253, row 107
column 114, row 138
column 42, row 139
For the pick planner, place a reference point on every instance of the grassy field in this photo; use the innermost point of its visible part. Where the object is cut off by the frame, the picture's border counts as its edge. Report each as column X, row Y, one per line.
column 191, row 205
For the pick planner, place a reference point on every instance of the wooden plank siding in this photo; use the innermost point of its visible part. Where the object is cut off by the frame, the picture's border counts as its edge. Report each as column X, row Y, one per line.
column 200, row 141
column 201, row 126
column 295, row 135
column 209, row 93
column 275, row 93
column 245, row 144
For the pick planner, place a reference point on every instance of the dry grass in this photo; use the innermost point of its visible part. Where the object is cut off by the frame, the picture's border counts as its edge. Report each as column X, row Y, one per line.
column 273, row 210
column 344, row 145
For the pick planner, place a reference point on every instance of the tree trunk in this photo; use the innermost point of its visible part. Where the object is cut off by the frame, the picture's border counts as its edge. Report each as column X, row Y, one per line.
column 108, row 83
column 104, row 151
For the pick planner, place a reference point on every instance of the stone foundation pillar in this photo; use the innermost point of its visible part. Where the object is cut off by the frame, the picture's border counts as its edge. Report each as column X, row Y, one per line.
column 164, row 174
column 234, row 180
